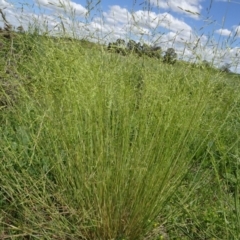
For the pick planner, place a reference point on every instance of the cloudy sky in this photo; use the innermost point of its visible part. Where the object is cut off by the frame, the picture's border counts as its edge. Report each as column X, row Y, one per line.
column 197, row 29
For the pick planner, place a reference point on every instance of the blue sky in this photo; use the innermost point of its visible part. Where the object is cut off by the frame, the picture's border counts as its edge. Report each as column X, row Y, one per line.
column 197, row 29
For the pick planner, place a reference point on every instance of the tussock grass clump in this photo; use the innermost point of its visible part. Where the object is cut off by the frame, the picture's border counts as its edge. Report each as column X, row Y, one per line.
column 99, row 143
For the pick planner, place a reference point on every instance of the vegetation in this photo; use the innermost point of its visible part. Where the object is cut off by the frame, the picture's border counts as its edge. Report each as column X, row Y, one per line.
column 226, row 68
column 94, row 145
column 170, row 56
column 132, row 47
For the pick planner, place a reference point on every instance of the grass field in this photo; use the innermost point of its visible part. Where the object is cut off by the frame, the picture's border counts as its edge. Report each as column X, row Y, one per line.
column 94, row 145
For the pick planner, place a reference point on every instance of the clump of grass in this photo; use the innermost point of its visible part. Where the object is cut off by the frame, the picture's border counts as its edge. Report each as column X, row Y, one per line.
column 100, row 146
column 82, row 156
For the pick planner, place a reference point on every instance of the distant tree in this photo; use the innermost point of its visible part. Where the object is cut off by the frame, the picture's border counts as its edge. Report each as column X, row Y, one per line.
column 156, row 52
column 111, row 46
column 226, row 68
column 151, row 51
column 139, row 49
column 20, row 29
column 121, row 46
column 132, row 45
column 170, row 56
column 120, row 42
column 206, row 64
column 146, row 49
column 118, row 47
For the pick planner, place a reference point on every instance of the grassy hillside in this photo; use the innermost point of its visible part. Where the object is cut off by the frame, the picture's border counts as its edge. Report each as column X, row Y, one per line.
column 95, row 145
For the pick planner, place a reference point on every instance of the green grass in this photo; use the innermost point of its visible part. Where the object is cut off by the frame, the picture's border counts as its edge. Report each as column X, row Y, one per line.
column 94, row 145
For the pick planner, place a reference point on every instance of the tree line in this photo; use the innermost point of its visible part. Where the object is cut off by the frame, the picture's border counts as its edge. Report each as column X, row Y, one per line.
column 124, row 48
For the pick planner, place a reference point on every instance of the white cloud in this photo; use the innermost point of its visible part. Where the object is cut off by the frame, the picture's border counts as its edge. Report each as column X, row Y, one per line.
column 144, row 19
column 223, row 32
column 172, row 23
column 192, row 8
column 28, row 19
column 4, row 4
column 116, row 14
column 63, row 5
column 118, row 22
column 187, row 46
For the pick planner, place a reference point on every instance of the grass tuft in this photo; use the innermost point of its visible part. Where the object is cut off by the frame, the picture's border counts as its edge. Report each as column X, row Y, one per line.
column 94, row 145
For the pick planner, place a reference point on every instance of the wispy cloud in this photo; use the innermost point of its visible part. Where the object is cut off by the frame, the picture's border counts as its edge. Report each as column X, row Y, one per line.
column 144, row 19
column 63, row 5
column 191, row 8
column 4, row 4
column 235, row 33
column 223, row 32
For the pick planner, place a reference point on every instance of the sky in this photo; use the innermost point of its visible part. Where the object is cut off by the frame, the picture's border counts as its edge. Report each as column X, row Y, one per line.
column 197, row 29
